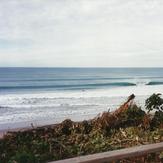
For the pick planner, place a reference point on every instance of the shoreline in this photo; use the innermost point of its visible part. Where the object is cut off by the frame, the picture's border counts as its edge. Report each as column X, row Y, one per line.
column 19, row 118
column 41, row 123
column 32, row 127
column 44, row 124
column 27, row 128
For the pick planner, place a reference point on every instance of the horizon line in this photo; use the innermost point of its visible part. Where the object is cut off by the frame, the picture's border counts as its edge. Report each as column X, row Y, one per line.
column 70, row 67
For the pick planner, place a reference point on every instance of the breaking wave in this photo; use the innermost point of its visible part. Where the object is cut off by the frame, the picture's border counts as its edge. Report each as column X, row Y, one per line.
column 156, row 83
column 70, row 86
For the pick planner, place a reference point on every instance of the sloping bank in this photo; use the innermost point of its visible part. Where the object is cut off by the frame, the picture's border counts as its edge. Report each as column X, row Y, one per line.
column 127, row 126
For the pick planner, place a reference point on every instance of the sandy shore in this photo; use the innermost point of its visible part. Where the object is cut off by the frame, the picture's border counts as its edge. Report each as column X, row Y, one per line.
column 3, row 132
column 20, row 126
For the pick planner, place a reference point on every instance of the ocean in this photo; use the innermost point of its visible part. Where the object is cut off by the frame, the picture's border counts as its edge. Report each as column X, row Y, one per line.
column 49, row 95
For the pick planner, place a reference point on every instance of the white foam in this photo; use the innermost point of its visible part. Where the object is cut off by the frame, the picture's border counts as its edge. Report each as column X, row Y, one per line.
column 39, row 107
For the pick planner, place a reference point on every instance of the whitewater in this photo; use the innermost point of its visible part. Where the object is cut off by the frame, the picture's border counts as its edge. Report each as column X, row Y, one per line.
column 34, row 97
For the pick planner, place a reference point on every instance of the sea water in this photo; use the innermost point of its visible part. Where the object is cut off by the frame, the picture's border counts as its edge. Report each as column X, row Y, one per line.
column 49, row 95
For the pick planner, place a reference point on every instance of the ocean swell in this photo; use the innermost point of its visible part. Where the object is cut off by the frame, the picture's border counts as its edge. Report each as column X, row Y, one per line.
column 70, row 86
column 155, row 83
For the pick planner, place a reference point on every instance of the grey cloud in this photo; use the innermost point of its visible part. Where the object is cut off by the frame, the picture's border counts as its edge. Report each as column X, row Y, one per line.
column 67, row 30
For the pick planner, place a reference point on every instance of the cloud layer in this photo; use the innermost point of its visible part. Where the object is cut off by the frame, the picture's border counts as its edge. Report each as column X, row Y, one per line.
column 81, row 33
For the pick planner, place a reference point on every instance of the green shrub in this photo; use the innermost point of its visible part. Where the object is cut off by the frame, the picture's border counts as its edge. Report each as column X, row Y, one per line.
column 154, row 102
column 157, row 119
column 133, row 116
column 23, row 157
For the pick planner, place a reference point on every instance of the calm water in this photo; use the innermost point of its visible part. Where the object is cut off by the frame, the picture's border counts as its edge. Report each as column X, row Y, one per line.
column 55, row 79
column 46, row 95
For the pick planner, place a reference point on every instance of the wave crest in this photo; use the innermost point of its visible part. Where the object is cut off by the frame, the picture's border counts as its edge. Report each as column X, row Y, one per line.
column 155, row 83
column 77, row 86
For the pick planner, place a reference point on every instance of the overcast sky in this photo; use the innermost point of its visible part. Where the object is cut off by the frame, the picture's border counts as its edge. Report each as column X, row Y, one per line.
column 81, row 33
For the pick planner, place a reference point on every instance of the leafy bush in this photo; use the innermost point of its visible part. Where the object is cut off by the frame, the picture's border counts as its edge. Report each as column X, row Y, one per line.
column 157, row 119
column 154, row 102
column 23, row 157
column 133, row 116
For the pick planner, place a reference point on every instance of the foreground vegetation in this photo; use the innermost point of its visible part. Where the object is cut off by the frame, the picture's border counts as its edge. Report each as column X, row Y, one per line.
column 127, row 126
